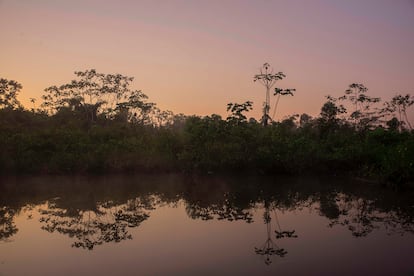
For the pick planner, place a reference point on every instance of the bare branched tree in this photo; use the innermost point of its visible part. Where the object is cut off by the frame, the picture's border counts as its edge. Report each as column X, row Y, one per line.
column 268, row 79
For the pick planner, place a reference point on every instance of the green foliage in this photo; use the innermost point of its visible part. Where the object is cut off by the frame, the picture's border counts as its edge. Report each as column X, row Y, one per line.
column 34, row 142
column 153, row 140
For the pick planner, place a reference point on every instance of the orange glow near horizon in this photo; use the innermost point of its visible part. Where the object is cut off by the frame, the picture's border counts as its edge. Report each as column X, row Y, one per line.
column 194, row 57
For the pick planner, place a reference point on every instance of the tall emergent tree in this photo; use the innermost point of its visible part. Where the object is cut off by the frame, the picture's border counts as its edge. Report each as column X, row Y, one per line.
column 399, row 105
column 93, row 93
column 268, row 79
column 8, row 93
column 363, row 115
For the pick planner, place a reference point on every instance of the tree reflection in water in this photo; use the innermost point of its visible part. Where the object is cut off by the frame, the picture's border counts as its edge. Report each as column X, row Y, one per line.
column 224, row 209
column 270, row 248
column 7, row 225
column 361, row 216
column 97, row 212
column 101, row 223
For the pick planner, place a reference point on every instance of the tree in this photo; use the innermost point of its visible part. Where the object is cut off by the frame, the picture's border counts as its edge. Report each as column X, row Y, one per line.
column 330, row 111
column 135, row 108
column 305, row 119
column 94, row 92
column 9, row 89
column 268, row 79
column 363, row 116
column 394, row 124
column 162, row 117
column 328, row 121
column 281, row 92
column 399, row 105
column 289, row 122
column 237, row 111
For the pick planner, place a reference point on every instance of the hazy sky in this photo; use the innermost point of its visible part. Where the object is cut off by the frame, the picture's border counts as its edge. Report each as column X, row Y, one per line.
column 196, row 56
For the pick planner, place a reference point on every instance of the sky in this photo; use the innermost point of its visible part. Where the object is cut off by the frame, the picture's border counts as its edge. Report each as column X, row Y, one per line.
column 194, row 57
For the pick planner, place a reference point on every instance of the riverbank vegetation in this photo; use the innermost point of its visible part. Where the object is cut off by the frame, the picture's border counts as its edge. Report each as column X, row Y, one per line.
column 97, row 123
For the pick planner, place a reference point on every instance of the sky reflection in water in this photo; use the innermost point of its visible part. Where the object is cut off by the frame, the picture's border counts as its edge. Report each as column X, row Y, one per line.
column 175, row 225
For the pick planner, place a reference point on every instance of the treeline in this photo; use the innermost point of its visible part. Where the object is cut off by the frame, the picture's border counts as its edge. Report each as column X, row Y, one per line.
column 97, row 123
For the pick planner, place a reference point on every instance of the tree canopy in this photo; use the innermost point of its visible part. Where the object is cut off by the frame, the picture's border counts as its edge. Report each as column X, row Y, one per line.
column 9, row 89
column 94, row 93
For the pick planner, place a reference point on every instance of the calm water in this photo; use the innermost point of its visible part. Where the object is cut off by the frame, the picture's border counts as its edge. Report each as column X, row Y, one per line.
column 203, row 225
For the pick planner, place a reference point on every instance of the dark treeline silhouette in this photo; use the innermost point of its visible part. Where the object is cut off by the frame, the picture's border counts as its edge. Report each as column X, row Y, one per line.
column 94, row 210
column 97, row 123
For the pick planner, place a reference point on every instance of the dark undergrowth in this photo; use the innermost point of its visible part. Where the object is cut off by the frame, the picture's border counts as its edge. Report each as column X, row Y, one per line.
column 37, row 143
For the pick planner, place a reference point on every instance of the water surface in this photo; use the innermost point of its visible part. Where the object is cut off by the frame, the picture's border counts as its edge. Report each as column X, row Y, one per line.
column 203, row 225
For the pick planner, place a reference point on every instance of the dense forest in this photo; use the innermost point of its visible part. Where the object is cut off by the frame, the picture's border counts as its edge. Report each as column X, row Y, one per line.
column 97, row 123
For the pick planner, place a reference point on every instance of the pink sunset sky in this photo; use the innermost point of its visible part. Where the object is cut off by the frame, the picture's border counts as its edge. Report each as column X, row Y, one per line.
column 194, row 57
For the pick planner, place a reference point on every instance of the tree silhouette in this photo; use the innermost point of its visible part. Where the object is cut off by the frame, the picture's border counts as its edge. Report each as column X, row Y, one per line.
column 103, row 223
column 399, row 104
column 268, row 79
column 362, row 215
column 281, row 92
column 9, row 89
column 357, row 214
column 93, row 92
column 329, row 119
column 237, row 111
column 363, row 116
column 7, row 226
column 220, row 211
column 269, row 247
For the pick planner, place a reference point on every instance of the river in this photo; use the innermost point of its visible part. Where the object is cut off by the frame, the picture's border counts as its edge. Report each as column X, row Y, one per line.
column 176, row 224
